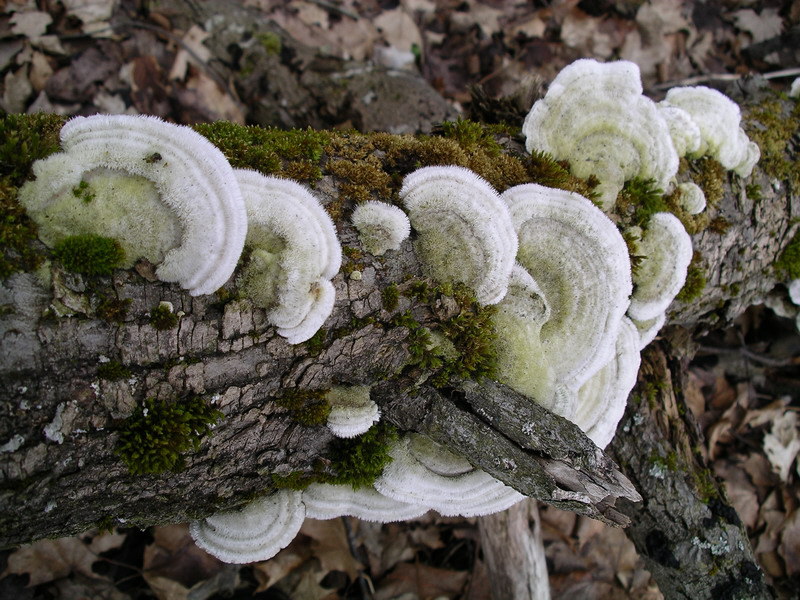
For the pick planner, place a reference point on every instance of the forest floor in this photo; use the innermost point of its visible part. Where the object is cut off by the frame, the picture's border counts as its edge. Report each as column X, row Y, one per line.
column 64, row 57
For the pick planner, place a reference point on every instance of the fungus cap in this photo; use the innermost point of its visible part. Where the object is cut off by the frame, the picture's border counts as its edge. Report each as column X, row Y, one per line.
column 327, row 501
column 718, row 118
column 352, row 411
column 187, row 173
column 692, row 198
column 595, row 116
column 465, row 232
column 256, row 532
column 794, row 91
column 667, row 252
column 683, row 130
column 579, row 262
column 380, row 226
column 602, row 399
column 295, row 252
column 648, row 330
column 424, row 473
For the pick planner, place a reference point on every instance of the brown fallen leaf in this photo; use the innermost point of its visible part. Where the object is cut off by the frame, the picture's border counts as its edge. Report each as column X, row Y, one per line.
column 330, row 546
column 423, row 581
column 789, row 547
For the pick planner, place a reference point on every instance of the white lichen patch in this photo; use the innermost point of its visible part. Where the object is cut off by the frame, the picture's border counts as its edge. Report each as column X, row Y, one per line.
column 595, row 116
column 464, row 230
column 13, row 444
column 381, row 227
column 164, row 191
column 294, row 252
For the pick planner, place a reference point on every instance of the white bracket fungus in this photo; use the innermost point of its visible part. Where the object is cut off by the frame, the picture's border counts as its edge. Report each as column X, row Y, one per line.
column 683, row 130
column 326, row 501
column 595, row 116
column 579, row 262
column 465, row 232
column 424, row 473
column 352, row 411
column 294, row 254
column 380, row 226
column 162, row 190
column 718, row 118
column 667, row 252
column 602, row 399
column 256, row 532
column 692, row 198
column 794, row 91
column 648, row 330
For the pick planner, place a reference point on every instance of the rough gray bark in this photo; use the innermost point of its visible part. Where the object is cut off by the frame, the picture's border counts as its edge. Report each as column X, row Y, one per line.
column 686, row 530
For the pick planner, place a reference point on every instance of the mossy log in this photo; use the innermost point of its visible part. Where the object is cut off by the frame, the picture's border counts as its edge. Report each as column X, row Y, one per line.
column 81, row 352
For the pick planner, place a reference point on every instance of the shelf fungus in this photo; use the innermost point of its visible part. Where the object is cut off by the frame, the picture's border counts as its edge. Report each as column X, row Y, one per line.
column 666, row 249
column 691, row 198
column 163, row 191
column 464, row 230
column 381, row 227
column 595, row 116
column 294, row 253
column 256, row 532
column 718, row 118
column 424, row 473
column 602, row 399
column 578, row 262
column 352, row 411
column 327, row 501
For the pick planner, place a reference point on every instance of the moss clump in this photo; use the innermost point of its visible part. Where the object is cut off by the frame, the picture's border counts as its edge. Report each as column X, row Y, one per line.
column 772, row 125
column 316, row 343
column 547, row 171
column 113, row 371
column 296, row 480
column 271, row 42
column 471, row 135
column 266, row 149
column 113, row 309
column 360, row 460
column 309, row 407
column 162, row 317
column 639, row 200
column 695, row 280
column 362, row 179
column 89, row 254
column 788, row 263
column 154, row 438
column 711, row 176
column 83, row 191
column 390, row 297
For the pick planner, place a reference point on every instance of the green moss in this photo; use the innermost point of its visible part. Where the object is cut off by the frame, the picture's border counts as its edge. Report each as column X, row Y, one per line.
column 706, row 485
column 361, row 180
column 308, row 407
column 316, row 343
column 17, row 234
column 266, row 149
column 788, row 263
column 719, row 225
column 113, row 309
column 271, row 42
column 772, row 125
column 390, row 297
column 711, row 176
column 695, row 280
column 89, row 254
column 639, row 200
column 83, row 191
column 471, row 135
column 296, row 480
column 113, row 371
column 360, row 460
column 753, row 191
column 162, row 317
column 155, row 437
column 25, row 139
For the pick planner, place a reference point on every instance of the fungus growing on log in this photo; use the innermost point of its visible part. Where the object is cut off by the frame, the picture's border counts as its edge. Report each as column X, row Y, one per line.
column 595, row 116
column 163, row 191
column 352, row 411
column 718, row 118
column 294, row 254
column 256, row 532
column 380, row 226
column 327, row 501
column 464, row 230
